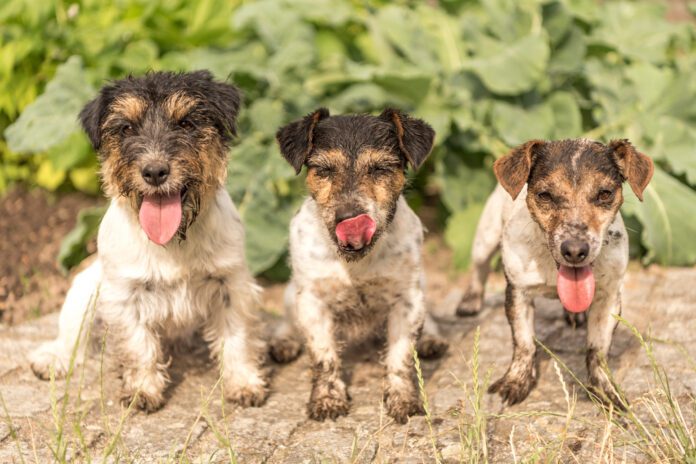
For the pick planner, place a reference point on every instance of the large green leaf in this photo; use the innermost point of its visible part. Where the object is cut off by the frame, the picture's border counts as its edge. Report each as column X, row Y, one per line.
column 403, row 29
column 632, row 29
column 53, row 116
column 511, row 68
column 667, row 216
column 461, row 183
column 674, row 141
column 73, row 248
column 460, row 233
column 516, row 124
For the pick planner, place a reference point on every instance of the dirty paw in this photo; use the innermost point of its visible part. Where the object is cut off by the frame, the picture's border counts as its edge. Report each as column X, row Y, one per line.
column 330, row 405
column 470, row 305
column 608, row 394
column 143, row 401
column 247, row 396
column 401, row 405
column 42, row 365
column 513, row 389
column 284, row 350
column 431, row 346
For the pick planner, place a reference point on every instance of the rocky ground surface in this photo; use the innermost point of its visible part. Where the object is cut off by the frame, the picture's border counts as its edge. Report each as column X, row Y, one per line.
column 194, row 425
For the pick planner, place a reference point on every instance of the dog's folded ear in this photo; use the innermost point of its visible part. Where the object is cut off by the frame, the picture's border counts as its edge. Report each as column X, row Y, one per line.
column 296, row 139
column 415, row 136
column 225, row 99
column 93, row 114
column 635, row 167
column 512, row 170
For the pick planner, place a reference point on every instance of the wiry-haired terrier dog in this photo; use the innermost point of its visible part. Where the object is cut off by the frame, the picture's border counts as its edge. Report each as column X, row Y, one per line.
column 355, row 248
column 171, row 245
column 555, row 216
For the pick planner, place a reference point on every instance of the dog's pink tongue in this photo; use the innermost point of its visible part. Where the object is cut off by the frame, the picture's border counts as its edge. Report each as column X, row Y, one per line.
column 356, row 232
column 576, row 287
column 160, row 217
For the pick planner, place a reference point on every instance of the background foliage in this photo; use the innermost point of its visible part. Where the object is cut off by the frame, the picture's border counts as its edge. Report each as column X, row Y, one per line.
column 487, row 74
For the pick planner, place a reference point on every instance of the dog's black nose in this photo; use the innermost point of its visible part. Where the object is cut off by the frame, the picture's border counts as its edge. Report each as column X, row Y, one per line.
column 575, row 251
column 155, row 173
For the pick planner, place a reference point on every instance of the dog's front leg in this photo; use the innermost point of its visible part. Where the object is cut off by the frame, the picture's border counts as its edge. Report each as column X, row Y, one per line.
column 329, row 398
column 76, row 315
column 520, row 377
column 144, row 372
column 405, row 322
column 600, row 330
column 232, row 331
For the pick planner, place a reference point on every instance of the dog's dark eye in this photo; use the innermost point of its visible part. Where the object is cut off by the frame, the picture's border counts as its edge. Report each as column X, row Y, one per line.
column 186, row 124
column 605, row 195
column 322, row 171
column 126, row 130
column 544, row 196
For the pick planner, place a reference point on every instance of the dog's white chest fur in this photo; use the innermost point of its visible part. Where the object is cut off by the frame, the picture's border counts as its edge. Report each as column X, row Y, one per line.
column 360, row 293
column 177, row 283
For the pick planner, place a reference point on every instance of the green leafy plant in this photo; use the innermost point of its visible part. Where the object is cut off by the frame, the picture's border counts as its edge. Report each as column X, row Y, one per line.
column 487, row 74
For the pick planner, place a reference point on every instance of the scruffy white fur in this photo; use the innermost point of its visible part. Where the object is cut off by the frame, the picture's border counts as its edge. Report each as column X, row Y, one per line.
column 150, row 296
column 332, row 301
column 531, row 272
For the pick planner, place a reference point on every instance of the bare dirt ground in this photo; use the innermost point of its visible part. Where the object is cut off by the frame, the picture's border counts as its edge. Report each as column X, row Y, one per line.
column 32, row 226
column 196, row 426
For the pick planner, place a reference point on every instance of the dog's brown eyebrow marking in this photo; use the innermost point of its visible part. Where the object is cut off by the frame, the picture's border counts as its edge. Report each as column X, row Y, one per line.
column 371, row 157
column 178, row 105
column 334, row 157
column 129, row 107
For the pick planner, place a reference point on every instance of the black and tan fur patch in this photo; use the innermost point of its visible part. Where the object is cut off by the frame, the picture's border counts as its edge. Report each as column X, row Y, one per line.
column 356, row 163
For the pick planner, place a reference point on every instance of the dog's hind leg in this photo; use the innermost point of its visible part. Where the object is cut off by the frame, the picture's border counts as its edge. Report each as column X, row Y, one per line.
column 286, row 342
column 521, row 376
column 489, row 233
column 600, row 330
column 74, row 321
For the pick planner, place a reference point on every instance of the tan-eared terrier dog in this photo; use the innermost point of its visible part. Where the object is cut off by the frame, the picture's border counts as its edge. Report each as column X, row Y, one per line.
column 555, row 215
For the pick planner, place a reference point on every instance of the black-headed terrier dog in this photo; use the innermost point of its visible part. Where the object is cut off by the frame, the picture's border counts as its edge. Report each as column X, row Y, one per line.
column 355, row 248
column 170, row 258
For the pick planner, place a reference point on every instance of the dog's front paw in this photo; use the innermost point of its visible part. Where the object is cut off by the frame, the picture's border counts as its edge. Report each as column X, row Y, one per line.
column 431, row 346
column 47, row 358
column 144, row 388
column 248, row 395
column 514, row 388
column 285, row 349
column 402, row 404
column 328, row 402
column 146, row 402
column 602, row 388
column 470, row 305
